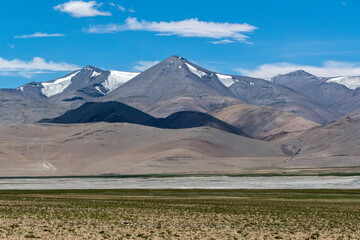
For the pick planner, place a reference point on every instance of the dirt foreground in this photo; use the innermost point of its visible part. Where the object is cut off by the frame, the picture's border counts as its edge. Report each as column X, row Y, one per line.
column 180, row 214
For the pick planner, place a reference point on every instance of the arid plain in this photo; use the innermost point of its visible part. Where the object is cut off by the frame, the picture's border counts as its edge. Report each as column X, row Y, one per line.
column 180, row 214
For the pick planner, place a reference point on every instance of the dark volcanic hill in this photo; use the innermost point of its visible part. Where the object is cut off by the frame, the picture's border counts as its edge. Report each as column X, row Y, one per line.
column 119, row 112
column 174, row 85
column 190, row 119
column 103, row 112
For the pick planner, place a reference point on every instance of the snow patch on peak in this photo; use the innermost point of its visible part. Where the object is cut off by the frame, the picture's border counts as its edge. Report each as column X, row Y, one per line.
column 58, row 86
column 20, row 88
column 351, row 82
column 117, row 78
column 196, row 71
column 88, row 68
column 225, row 79
column 99, row 90
column 95, row 74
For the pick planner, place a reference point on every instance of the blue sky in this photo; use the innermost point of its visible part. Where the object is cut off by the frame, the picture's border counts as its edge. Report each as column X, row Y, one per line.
column 258, row 38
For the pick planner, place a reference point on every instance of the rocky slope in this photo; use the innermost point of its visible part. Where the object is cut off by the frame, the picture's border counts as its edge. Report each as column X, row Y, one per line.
column 340, row 94
column 174, row 85
column 263, row 122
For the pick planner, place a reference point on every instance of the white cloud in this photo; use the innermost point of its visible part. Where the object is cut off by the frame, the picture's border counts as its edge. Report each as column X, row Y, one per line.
column 328, row 69
column 121, row 8
column 40, row 35
column 80, row 9
column 186, row 28
column 11, row 46
column 143, row 65
column 27, row 69
column 225, row 41
column 131, row 10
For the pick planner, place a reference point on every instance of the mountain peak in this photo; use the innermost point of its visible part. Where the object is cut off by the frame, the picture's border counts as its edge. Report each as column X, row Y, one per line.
column 91, row 68
column 177, row 57
column 174, row 59
column 299, row 72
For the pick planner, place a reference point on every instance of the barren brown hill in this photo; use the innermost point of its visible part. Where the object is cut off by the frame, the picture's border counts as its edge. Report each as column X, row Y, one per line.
column 122, row 148
column 336, row 139
column 355, row 115
column 263, row 122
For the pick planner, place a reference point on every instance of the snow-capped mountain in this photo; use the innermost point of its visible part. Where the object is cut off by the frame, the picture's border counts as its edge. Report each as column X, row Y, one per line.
column 340, row 94
column 58, row 86
column 351, row 82
column 173, row 85
column 177, row 84
column 79, row 86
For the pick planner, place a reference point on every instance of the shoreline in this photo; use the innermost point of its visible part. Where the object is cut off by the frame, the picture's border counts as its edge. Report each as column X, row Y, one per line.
column 324, row 172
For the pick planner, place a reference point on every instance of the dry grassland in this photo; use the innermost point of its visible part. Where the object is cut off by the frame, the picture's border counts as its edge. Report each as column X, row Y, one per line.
column 180, row 214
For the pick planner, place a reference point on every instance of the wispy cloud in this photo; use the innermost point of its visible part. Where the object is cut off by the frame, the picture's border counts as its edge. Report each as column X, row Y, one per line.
column 121, row 8
column 225, row 41
column 80, row 9
column 186, row 28
column 40, row 35
column 328, row 69
column 27, row 69
column 143, row 65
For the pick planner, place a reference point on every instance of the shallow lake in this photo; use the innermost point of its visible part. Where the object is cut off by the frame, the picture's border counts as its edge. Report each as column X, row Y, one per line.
column 216, row 182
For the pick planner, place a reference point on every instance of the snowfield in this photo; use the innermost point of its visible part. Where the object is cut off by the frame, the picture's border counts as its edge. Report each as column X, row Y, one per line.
column 351, row 82
column 58, row 86
column 95, row 74
column 196, row 71
column 225, row 79
column 118, row 78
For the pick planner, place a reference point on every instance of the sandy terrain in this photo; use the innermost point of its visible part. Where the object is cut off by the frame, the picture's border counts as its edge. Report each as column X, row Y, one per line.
column 122, row 148
column 104, row 148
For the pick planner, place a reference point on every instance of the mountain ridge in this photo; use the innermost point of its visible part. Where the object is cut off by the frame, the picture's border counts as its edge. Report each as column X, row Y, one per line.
column 328, row 92
column 177, row 84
